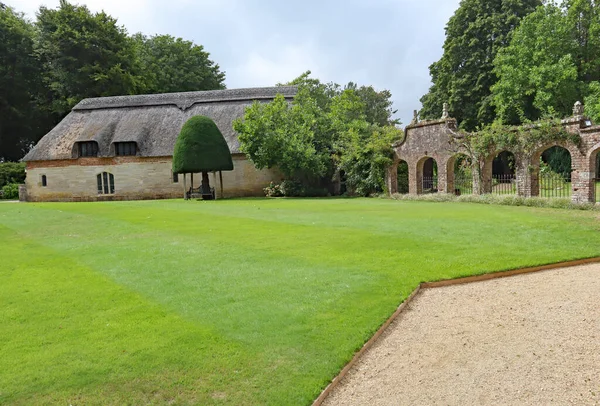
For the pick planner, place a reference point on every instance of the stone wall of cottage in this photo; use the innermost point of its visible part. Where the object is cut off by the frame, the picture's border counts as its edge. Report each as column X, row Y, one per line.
column 135, row 178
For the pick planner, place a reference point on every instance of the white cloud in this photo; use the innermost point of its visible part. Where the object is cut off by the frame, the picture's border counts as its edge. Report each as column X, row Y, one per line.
column 267, row 69
column 385, row 43
column 135, row 15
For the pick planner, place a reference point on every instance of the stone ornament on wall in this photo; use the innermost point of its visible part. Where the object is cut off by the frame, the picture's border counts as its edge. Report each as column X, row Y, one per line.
column 578, row 109
column 415, row 119
column 445, row 113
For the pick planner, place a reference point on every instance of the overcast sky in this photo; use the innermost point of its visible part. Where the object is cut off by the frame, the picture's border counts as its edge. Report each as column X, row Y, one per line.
column 385, row 43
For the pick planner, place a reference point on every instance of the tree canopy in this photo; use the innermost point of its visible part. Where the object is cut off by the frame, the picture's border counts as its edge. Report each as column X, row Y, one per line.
column 313, row 137
column 552, row 61
column 464, row 75
column 201, row 147
column 82, row 55
column 70, row 53
column 175, row 65
column 21, row 122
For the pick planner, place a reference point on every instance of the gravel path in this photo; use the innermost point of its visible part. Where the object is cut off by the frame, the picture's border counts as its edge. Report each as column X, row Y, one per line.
column 525, row 340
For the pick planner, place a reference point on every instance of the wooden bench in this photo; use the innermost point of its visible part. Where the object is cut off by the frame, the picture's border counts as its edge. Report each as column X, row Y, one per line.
column 201, row 193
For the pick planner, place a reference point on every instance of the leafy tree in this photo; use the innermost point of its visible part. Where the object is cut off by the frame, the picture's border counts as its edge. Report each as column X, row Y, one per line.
column 366, row 157
column 592, row 102
column 378, row 105
column 10, row 191
column 323, row 128
column 19, row 85
column 11, row 172
column 583, row 20
column 169, row 64
column 537, row 72
column 464, row 75
column 287, row 136
column 552, row 60
column 83, row 55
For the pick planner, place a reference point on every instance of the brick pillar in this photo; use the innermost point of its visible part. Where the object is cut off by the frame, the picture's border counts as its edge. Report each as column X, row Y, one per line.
column 582, row 184
column 527, row 172
column 482, row 176
column 391, row 179
column 443, row 176
column 582, row 177
column 415, row 178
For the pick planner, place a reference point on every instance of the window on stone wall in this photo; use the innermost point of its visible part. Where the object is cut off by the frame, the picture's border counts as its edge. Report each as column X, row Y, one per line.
column 125, row 148
column 44, row 181
column 88, row 148
column 175, row 178
column 106, row 183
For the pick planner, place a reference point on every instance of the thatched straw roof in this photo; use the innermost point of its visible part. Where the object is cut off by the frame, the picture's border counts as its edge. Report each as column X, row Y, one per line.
column 201, row 147
column 152, row 121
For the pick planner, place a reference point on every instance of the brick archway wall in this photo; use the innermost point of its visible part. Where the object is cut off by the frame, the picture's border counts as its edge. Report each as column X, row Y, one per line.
column 419, row 167
column 529, row 171
column 440, row 140
column 593, row 172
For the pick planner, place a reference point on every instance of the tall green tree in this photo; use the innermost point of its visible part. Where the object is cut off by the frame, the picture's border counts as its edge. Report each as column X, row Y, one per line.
column 583, row 21
column 464, row 75
column 20, row 119
column 83, row 54
column 551, row 62
column 169, row 64
column 537, row 72
column 297, row 137
column 592, row 102
column 323, row 130
column 378, row 104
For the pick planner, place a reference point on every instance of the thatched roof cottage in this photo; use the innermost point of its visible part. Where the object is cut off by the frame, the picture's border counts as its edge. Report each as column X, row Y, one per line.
column 121, row 148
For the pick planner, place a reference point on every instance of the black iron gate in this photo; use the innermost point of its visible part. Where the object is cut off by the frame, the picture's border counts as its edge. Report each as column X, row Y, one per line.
column 463, row 184
column 430, row 184
column 504, row 184
column 554, row 185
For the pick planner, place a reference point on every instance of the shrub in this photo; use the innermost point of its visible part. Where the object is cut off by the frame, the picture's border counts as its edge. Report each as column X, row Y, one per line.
column 273, row 190
column 292, row 188
column 11, row 172
column 315, row 192
column 10, row 191
column 505, row 200
column 200, row 147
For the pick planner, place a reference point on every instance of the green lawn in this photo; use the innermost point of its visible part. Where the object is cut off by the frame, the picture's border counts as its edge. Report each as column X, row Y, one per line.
column 239, row 302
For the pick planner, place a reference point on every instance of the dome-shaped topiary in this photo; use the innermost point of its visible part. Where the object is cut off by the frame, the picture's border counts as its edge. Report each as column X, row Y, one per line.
column 201, row 147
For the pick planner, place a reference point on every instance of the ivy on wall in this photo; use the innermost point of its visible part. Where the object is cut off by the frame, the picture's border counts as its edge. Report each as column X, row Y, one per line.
column 524, row 139
column 521, row 140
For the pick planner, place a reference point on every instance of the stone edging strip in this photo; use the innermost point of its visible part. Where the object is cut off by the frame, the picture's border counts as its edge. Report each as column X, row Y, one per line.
column 504, row 274
column 335, row 382
column 439, row 284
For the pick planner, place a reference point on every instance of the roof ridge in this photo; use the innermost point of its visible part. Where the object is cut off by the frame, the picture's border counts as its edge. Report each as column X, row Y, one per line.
column 185, row 100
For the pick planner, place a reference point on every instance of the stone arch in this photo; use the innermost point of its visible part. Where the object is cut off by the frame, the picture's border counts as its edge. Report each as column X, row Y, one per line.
column 427, row 170
column 593, row 160
column 459, row 174
column 402, row 177
column 503, row 172
column 551, row 181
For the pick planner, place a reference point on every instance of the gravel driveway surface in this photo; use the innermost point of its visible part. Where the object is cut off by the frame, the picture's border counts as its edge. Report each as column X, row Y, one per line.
column 524, row 340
